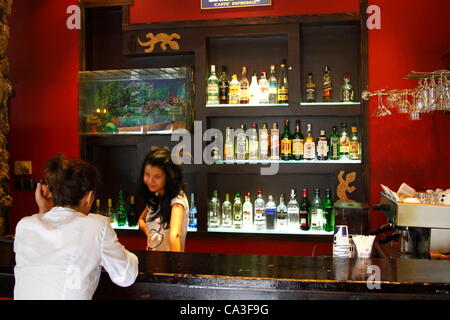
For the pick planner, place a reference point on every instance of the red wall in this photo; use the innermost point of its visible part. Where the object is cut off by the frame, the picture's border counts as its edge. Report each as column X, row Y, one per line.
column 43, row 112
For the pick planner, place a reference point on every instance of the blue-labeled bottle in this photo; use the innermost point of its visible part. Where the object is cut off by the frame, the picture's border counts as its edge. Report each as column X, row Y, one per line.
column 192, row 214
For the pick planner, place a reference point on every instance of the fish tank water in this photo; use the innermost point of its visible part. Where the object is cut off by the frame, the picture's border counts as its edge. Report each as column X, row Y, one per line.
column 135, row 101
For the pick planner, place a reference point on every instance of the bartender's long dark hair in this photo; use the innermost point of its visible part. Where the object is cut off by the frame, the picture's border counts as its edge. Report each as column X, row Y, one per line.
column 174, row 184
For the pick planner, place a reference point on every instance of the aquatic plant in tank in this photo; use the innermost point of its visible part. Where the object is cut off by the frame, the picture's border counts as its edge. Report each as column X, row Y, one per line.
column 137, row 101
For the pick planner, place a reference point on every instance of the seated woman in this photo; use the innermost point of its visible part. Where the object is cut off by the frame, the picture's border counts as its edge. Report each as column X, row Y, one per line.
column 165, row 218
column 60, row 250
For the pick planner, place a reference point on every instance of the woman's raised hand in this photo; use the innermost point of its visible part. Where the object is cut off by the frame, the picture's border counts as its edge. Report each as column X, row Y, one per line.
column 43, row 198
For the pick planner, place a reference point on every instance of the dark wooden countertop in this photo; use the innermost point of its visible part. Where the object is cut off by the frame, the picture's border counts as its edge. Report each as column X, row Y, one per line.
column 170, row 275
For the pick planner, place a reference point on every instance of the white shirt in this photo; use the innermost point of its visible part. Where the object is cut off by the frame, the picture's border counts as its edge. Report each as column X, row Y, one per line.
column 158, row 231
column 59, row 255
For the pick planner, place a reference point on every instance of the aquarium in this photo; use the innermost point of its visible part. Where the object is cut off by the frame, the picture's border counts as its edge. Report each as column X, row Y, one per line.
column 135, row 101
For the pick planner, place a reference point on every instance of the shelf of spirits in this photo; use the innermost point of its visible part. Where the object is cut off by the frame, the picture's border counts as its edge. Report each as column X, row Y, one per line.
column 293, row 232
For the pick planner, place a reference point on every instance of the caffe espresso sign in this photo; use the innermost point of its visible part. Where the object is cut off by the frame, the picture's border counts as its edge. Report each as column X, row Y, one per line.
column 222, row 4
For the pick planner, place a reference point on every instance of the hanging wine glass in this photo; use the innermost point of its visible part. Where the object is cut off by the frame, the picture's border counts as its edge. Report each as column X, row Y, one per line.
column 404, row 104
column 447, row 94
column 440, row 94
column 414, row 113
column 392, row 99
column 432, row 95
column 381, row 111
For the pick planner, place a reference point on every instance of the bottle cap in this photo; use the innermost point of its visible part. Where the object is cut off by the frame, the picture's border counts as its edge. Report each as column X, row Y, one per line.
column 322, row 132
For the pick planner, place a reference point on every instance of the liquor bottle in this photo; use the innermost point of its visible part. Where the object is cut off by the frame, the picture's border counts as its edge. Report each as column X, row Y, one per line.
column 316, row 212
column 247, row 212
column 242, row 145
column 260, row 216
column 328, row 212
column 286, row 142
column 327, row 92
column 293, row 212
column 355, row 146
column 112, row 214
column 310, row 89
column 224, row 87
column 121, row 211
column 344, row 142
column 347, row 92
column 227, row 212
column 281, row 218
column 334, row 145
column 132, row 214
column 264, row 142
column 273, row 86
column 254, row 92
column 305, row 208
column 235, row 90
column 298, row 142
column 322, row 146
column 275, row 142
column 214, row 215
column 97, row 207
column 253, row 143
column 263, row 88
column 310, row 145
column 244, row 84
column 213, row 87
column 283, row 90
column 271, row 209
column 192, row 214
column 229, row 144
column 237, row 211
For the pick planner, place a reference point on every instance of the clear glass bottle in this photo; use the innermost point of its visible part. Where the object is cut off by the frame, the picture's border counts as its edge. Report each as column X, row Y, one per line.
column 192, row 214
column 310, row 145
column 293, row 212
column 212, row 87
column 224, row 87
column 328, row 212
column 112, row 214
column 281, row 218
column 227, row 212
column 273, row 86
column 344, row 142
column 242, row 144
column 283, row 88
column 229, row 144
column 263, row 89
column 334, row 145
column 355, row 145
column 237, row 211
column 214, row 214
column 275, row 142
column 305, row 211
column 327, row 92
column 347, row 93
column 264, row 142
column 253, row 142
column 271, row 209
column 298, row 143
column 254, row 92
column 244, row 86
column 97, row 207
column 121, row 211
column 322, row 146
column 235, row 90
column 247, row 213
column 316, row 212
column 260, row 215
column 310, row 89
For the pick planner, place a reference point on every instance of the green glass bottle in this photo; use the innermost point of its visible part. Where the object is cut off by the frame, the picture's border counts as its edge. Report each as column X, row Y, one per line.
column 334, row 145
column 121, row 211
column 132, row 214
column 237, row 211
column 286, row 142
column 316, row 212
column 328, row 212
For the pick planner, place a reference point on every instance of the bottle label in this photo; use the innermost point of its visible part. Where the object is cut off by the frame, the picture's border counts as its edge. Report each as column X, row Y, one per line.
column 228, row 151
column 259, row 214
column 344, row 145
column 354, row 148
column 270, row 212
column 310, row 94
column 274, row 145
column 234, row 94
column 237, row 216
column 246, row 217
column 334, row 148
column 310, row 150
column 244, row 95
column 282, row 94
column 298, row 147
column 286, row 146
column 322, row 148
column 303, row 221
column 253, row 152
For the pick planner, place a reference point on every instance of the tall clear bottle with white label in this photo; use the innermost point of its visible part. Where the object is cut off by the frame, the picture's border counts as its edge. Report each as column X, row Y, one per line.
column 264, row 142
column 212, row 87
column 275, row 142
column 237, row 211
column 229, row 144
column 227, row 212
column 253, row 143
column 281, row 215
column 310, row 145
column 263, row 89
column 254, row 92
column 293, row 211
column 247, row 213
column 271, row 209
column 260, row 214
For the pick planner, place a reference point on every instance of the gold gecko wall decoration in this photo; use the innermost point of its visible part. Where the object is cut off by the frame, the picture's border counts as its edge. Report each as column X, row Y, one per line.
column 165, row 40
column 344, row 187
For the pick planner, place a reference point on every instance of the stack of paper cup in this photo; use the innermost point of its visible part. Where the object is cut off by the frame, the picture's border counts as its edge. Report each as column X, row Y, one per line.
column 341, row 244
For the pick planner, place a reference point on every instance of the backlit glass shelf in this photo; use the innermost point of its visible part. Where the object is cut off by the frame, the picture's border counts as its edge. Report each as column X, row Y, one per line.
column 246, row 105
column 330, row 103
column 299, row 232
column 287, row 162
column 125, row 227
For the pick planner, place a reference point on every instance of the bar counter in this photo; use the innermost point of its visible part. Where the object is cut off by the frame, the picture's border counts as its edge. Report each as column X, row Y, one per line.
column 170, row 275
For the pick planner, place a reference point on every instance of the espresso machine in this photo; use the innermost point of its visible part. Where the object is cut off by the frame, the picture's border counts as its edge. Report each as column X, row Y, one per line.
column 421, row 228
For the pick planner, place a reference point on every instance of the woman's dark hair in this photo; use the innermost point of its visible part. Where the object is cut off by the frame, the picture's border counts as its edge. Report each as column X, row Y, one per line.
column 174, row 184
column 70, row 179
